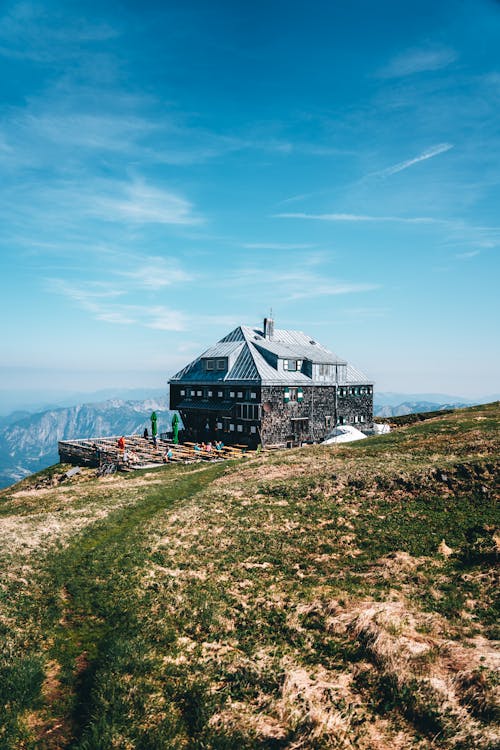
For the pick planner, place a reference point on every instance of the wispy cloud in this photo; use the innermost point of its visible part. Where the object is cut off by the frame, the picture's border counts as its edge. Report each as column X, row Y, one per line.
column 30, row 31
column 118, row 201
column 366, row 312
column 277, row 246
column 310, row 288
column 466, row 256
column 295, row 198
column 440, row 148
column 154, row 273
column 419, row 60
column 102, row 305
column 293, row 285
column 138, row 202
column 362, row 218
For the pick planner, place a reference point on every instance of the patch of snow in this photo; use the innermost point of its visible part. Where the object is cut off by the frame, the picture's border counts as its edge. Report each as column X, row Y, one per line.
column 343, row 434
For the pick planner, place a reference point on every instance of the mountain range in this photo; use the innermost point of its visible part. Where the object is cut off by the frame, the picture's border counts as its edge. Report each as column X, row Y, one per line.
column 28, row 439
column 28, row 442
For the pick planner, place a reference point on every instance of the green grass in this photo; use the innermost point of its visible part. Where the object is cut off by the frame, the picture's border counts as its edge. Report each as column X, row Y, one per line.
column 222, row 606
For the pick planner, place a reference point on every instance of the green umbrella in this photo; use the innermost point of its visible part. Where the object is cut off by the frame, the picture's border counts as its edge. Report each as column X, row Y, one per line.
column 154, row 425
column 175, row 428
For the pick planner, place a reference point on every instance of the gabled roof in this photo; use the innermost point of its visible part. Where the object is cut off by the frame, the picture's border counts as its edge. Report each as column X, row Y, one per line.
column 251, row 357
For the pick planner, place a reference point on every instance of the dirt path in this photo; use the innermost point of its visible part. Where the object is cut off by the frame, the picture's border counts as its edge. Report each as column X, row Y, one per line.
column 90, row 610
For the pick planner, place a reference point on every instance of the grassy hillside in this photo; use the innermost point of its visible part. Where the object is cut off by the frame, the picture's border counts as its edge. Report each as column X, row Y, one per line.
column 330, row 597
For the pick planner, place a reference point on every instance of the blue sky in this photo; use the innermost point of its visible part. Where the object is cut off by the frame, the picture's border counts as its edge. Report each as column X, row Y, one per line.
column 172, row 169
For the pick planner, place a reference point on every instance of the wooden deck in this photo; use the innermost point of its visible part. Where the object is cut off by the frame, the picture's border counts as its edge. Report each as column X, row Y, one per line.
column 139, row 453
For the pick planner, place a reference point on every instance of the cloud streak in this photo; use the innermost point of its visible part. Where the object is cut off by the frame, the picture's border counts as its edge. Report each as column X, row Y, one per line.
column 141, row 203
column 420, row 60
column 293, row 285
column 362, row 218
column 276, row 246
column 101, row 303
column 440, row 148
column 155, row 273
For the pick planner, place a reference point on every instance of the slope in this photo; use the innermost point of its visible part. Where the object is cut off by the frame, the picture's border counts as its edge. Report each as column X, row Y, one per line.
column 300, row 599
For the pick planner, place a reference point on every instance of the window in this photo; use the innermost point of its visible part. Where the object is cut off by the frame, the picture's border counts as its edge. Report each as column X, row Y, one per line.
column 253, row 429
column 199, row 393
column 193, row 393
column 239, row 427
column 361, row 419
column 221, row 364
column 231, row 394
column 231, row 428
column 219, row 425
column 291, row 365
column 209, row 394
column 253, row 394
column 328, row 422
column 240, row 394
column 247, row 411
column 220, row 394
column 300, row 425
column 183, row 393
column 290, row 395
column 210, row 364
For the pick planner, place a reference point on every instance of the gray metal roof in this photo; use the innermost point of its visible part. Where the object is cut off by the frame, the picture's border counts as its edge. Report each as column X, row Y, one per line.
column 222, row 349
column 246, row 347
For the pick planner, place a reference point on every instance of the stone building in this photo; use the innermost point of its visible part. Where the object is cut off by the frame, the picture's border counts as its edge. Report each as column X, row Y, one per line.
column 269, row 386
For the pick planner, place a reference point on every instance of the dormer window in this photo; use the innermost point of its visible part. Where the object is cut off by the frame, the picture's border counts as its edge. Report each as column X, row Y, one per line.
column 215, row 364
column 292, row 365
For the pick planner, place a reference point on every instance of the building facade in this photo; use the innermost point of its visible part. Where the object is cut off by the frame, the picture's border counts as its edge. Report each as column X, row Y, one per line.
column 269, row 386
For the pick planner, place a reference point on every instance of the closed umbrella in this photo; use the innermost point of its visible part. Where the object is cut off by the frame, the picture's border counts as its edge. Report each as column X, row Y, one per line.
column 154, row 424
column 175, row 428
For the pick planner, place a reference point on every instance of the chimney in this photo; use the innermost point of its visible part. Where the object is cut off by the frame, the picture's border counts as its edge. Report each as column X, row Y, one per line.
column 268, row 328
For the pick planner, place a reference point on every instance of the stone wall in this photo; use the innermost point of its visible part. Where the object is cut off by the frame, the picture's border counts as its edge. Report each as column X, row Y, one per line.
column 281, row 423
column 318, row 413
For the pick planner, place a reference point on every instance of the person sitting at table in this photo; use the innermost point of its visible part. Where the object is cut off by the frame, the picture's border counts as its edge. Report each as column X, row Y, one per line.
column 197, row 447
column 168, row 456
column 208, row 447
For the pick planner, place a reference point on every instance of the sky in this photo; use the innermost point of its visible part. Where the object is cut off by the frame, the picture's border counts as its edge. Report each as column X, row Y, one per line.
column 170, row 170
